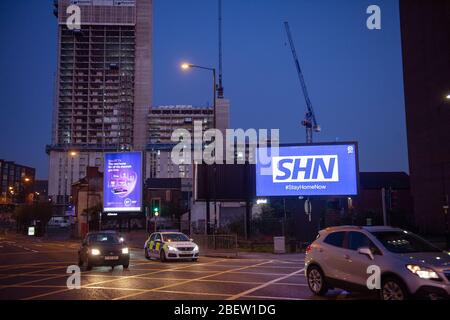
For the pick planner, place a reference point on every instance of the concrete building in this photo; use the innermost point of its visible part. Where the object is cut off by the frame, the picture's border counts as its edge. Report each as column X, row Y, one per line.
column 426, row 50
column 103, row 88
column 163, row 120
column 16, row 182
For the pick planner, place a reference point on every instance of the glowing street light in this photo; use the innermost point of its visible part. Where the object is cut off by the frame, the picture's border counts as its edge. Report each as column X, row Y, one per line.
column 185, row 66
column 73, row 153
column 447, row 96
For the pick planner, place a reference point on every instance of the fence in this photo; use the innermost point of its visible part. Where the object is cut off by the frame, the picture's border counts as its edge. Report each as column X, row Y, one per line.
column 217, row 244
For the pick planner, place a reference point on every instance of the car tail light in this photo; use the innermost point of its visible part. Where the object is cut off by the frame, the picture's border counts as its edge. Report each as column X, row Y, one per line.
column 308, row 249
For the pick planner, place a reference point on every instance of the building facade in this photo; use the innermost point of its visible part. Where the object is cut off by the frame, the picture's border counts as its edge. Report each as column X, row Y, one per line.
column 163, row 120
column 426, row 50
column 103, row 87
column 16, row 183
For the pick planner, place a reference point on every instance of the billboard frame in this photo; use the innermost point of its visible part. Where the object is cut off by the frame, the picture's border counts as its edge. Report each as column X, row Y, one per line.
column 335, row 143
column 141, row 185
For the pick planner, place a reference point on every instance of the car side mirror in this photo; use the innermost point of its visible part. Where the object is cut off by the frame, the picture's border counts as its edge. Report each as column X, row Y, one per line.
column 191, row 240
column 366, row 251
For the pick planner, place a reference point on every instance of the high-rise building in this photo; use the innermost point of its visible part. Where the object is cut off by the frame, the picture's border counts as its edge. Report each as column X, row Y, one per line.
column 426, row 64
column 164, row 120
column 103, row 88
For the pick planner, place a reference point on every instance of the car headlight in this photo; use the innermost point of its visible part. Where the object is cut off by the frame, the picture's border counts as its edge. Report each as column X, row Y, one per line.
column 125, row 251
column 421, row 272
column 95, row 252
column 196, row 248
column 172, row 248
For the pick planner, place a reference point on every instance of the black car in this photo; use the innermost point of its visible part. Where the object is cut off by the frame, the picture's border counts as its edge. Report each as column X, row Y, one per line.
column 103, row 248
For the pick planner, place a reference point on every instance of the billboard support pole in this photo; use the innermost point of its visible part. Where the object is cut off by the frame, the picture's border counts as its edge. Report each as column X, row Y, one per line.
column 383, row 205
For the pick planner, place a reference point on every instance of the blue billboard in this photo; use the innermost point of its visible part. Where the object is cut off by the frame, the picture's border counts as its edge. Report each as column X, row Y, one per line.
column 122, row 182
column 307, row 170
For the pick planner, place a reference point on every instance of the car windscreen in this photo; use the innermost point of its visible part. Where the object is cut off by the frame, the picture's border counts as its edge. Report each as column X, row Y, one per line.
column 104, row 238
column 175, row 237
column 404, row 242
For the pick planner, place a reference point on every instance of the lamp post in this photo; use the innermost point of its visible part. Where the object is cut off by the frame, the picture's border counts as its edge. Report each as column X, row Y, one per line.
column 445, row 198
column 186, row 66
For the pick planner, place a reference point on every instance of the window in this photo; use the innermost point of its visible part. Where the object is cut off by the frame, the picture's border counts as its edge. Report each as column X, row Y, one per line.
column 335, row 239
column 158, row 237
column 152, row 237
column 404, row 242
column 357, row 240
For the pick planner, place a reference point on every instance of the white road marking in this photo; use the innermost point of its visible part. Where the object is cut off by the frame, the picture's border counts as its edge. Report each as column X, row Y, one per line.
column 193, row 280
column 106, row 281
column 247, row 292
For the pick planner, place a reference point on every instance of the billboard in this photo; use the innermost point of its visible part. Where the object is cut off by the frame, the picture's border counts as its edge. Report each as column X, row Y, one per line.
column 122, row 182
column 308, row 170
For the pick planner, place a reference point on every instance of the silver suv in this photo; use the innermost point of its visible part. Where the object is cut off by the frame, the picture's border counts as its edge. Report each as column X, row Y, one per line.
column 409, row 266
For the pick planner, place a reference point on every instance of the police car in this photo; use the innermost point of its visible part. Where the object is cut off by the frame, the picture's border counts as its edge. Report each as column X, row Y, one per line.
column 170, row 246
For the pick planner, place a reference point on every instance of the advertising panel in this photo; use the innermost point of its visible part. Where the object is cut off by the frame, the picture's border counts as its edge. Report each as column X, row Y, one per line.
column 122, row 183
column 308, row 170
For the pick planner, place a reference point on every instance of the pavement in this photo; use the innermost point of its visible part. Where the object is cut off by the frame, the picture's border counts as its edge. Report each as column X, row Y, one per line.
column 36, row 269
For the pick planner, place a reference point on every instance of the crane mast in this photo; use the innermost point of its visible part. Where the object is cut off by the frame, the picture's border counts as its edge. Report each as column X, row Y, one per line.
column 310, row 122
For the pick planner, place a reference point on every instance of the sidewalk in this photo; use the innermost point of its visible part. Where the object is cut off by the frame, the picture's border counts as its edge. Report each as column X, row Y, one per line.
column 136, row 240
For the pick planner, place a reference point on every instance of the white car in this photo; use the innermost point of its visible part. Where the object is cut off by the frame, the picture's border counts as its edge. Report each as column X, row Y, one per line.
column 170, row 246
column 345, row 257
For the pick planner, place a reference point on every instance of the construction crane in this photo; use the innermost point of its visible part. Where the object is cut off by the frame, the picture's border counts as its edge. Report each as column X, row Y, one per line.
column 310, row 122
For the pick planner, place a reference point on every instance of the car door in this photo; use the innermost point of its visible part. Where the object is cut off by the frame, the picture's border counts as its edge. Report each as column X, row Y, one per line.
column 356, row 264
column 332, row 252
column 157, row 245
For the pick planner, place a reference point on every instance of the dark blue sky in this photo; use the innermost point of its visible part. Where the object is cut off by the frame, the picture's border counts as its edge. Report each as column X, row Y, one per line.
column 354, row 75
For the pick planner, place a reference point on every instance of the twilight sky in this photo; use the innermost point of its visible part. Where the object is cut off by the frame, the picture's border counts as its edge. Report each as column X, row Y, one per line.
column 354, row 75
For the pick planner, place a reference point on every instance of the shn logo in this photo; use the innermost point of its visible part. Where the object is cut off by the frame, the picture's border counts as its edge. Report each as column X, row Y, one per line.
column 305, row 169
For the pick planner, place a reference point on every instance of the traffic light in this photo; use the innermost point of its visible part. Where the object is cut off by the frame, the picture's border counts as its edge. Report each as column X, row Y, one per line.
column 156, row 207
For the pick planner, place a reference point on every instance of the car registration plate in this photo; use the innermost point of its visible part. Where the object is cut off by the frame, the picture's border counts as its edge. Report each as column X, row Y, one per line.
column 111, row 258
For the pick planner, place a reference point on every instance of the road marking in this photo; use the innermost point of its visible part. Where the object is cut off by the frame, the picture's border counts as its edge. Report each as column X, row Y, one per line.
column 192, row 293
column 192, row 280
column 106, row 281
column 247, row 292
column 26, row 273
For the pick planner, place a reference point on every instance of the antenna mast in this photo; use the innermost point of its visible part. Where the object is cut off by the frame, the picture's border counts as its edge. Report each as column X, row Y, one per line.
column 220, row 87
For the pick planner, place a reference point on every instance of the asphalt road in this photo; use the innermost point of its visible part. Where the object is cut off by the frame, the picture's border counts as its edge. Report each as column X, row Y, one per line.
column 37, row 269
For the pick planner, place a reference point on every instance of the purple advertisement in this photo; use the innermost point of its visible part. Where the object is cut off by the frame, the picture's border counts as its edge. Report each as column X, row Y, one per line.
column 122, row 183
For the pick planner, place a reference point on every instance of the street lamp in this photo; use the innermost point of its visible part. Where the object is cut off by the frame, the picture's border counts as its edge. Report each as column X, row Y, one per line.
column 186, row 66
column 445, row 200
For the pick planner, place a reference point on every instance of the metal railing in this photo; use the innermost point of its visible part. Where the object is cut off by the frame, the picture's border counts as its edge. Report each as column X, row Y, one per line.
column 217, row 243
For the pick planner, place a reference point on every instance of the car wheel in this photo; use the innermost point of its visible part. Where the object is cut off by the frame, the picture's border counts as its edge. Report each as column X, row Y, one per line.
column 195, row 260
column 162, row 256
column 88, row 266
column 393, row 289
column 125, row 266
column 147, row 256
column 316, row 281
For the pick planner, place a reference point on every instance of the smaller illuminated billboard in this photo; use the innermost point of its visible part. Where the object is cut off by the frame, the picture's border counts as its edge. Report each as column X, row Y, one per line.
column 307, row 170
column 122, row 182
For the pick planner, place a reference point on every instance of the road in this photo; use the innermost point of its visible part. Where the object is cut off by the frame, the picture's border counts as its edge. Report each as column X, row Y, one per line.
column 35, row 269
